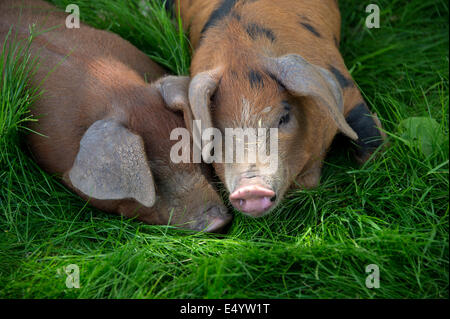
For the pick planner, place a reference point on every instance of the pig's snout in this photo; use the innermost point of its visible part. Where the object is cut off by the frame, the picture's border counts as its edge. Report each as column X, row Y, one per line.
column 213, row 219
column 252, row 198
column 217, row 219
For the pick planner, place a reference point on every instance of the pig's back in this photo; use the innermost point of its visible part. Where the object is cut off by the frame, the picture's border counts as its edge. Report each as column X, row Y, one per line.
column 93, row 73
column 86, row 40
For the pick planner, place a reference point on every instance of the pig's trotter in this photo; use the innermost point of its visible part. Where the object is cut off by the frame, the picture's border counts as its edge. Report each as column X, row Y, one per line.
column 367, row 126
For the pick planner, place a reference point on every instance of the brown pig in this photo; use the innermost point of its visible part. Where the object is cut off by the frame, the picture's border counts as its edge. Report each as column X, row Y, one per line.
column 103, row 129
column 274, row 64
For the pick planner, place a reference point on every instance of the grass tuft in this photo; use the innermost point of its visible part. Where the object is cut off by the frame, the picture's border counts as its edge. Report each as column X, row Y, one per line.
column 392, row 212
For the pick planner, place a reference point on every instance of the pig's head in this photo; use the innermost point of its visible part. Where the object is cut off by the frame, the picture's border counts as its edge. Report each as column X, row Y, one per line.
column 125, row 160
column 302, row 101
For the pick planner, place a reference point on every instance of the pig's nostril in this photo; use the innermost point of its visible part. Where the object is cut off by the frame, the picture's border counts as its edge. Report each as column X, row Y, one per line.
column 273, row 198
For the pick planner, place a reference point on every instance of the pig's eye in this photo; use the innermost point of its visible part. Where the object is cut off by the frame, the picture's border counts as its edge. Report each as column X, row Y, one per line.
column 284, row 120
column 286, row 117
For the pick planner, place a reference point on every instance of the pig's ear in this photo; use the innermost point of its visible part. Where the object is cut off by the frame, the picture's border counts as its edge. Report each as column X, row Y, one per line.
column 111, row 164
column 201, row 88
column 174, row 91
column 304, row 79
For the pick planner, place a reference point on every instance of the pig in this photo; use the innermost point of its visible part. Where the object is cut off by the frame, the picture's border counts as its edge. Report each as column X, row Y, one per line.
column 274, row 64
column 103, row 129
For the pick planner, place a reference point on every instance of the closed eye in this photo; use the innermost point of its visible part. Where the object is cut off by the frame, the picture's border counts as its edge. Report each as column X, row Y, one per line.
column 287, row 116
column 284, row 120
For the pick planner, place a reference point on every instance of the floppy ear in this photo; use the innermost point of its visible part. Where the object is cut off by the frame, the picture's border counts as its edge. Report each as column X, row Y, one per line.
column 174, row 91
column 111, row 164
column 191, row 97
column 201, row 88
column 304, row 79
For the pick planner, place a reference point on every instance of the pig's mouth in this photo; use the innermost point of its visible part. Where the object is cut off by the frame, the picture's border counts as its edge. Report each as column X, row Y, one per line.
column 253, row 197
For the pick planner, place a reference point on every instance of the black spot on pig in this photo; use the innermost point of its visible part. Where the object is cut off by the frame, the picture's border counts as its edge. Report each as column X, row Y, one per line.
column 311, row 29
column 255, row 30
column 222, row 11
column 343, row 81
column 256, row 79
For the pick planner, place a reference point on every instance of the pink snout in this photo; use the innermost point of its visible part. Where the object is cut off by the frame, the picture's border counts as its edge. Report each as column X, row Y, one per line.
column 254, row 200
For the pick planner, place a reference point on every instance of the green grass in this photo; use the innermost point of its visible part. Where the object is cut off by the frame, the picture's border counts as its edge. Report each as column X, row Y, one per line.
column 392, row 212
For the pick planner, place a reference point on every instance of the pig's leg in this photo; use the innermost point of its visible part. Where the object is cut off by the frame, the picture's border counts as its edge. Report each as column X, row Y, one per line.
column 358, row 116
column 364, row 123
